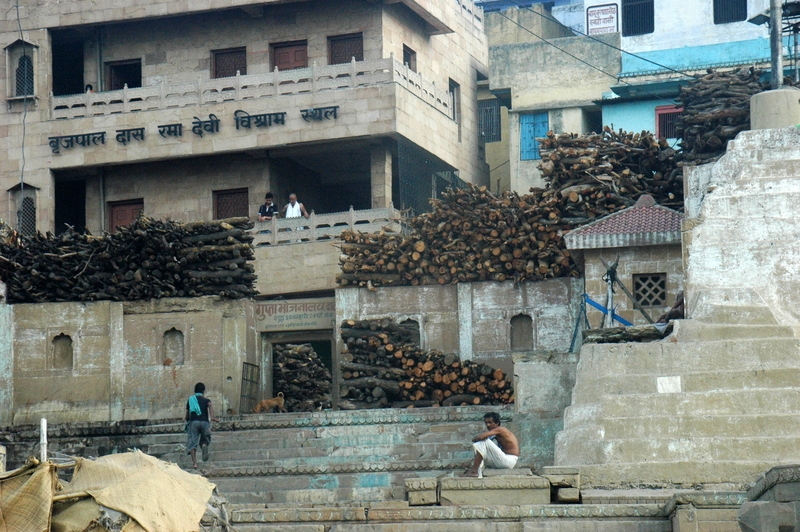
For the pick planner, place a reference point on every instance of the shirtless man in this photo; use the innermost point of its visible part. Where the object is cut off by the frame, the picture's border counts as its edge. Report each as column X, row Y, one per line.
column 497, row 447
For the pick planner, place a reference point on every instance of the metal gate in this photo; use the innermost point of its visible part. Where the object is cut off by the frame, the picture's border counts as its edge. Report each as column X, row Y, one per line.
column 249, row 397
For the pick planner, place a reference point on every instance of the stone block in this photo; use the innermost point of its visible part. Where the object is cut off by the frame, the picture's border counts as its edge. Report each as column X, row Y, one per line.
column 519, row 472
column 568, row 495
column 563, row 477
column 422, row 491
column 498, row 490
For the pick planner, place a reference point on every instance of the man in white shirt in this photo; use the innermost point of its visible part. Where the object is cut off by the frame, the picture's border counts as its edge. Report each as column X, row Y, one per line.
column 294, row 209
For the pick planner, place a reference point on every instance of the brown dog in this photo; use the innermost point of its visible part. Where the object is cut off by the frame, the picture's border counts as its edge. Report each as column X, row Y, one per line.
column 269, row 405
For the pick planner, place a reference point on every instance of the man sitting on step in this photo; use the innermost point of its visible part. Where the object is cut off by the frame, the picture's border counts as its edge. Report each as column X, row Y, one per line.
column 497, row 447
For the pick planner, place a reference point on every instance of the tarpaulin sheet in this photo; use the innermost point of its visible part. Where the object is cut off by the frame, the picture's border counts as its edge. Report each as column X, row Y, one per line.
column 159, row 495
column 26, row 496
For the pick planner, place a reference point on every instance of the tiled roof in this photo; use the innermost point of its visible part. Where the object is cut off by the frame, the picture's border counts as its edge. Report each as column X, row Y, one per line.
column 644, row 224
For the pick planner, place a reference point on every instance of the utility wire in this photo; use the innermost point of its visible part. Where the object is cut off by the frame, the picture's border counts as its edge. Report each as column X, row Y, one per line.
column 637, row 56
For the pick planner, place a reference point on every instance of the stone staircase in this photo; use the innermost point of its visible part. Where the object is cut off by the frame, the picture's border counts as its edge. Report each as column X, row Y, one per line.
column 713, row 405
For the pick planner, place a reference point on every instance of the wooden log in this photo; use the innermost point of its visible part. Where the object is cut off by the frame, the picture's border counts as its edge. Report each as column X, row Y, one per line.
column 637, row 333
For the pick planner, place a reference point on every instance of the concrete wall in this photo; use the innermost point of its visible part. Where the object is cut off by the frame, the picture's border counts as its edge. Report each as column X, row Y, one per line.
column 120, row 368
column 542, row 78
column 632, row 261
column 278, row 267
column 473, row 319
column 6, row 357
column 515, row 25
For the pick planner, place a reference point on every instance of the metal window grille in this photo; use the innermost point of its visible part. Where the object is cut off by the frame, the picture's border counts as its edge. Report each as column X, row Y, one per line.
column 231, row 203
column 638, row 17
column 345, row 48
column 249, row 395
column 726, row 11
column 650, row 289
column 26, row 217
column 24, row 76
column 228, row 62
column 666, row 119
column 489, row 120
column 531, row 126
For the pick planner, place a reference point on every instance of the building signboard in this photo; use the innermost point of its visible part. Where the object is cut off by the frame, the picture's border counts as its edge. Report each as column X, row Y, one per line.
column 602, row 19
column 295, row 315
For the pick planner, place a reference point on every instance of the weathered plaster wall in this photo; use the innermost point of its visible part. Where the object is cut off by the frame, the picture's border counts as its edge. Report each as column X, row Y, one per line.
column 632, row 261
column 119, row 368
column 6, row 357
column 519, row 25
column 277, row 267
column 473, row 319
column 744, row 242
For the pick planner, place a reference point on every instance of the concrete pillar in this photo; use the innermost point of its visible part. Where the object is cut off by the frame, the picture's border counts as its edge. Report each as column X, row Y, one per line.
column 381, row 176
column 775, row 109
column 347, row 308
column 6, row 359
column 116, row 363
column 465, row 321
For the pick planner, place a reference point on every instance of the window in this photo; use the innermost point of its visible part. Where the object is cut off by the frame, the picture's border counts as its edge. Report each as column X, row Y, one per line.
column 21, row 61
column 62, row 352
column 650, row 289
column 455, row 98
column 638, row 17
column 531, row 126
column 410, row 58
column 121, row 73
column 24, row 198
column 726, row 11
column 343, row 48
column 225, row 63
column 231, row 203
column 290, row 55
column 521, row 333
column 489, row 120
column 666, row 117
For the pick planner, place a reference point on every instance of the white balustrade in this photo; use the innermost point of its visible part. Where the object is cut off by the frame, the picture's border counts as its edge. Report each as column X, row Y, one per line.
column 164, row 95
column 325, row 226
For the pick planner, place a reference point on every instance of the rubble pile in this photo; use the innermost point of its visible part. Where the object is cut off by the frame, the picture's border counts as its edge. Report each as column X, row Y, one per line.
column 382, row 367
column 148, row 259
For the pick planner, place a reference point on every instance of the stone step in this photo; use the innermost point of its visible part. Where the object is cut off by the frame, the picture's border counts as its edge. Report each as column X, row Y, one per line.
column 739, row 315
column 697, row 331
column 293, row 497
column 668, row 426
column 724, row 402
column 664, row 358
column 592, row 387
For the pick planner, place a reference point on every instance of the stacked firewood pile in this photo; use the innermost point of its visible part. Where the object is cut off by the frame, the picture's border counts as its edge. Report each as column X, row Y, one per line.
column 598, row 174
column 381, row 367
column 716, row 107
column 301, row 376
column 148, row 259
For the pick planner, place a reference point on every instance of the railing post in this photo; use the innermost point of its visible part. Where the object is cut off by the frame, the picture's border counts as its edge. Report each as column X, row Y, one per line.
column 53, row 105
column 314, row 77
column 313, row 227
column 391, row 67
column 351, row 218
column 125, row 105
column 353, row 72
column 161, row 96
column 199, row 90
column 274, row 232
column 88, row 104
column 238, row 86
column 275, row 81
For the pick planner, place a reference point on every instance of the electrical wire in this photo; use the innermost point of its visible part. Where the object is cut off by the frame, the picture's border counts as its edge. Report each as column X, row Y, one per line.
column 638, row 87
column 637, row 56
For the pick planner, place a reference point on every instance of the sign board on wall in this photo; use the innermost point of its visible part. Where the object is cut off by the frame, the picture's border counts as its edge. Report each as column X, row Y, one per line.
column 295, row 315
column 602, row 19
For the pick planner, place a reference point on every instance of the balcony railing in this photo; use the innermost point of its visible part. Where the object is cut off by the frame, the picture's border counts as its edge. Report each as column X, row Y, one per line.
column 325, row 226
column 165, row 95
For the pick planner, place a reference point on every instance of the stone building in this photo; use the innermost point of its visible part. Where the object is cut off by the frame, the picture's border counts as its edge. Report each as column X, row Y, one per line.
column 646, row 241
column 193, row 111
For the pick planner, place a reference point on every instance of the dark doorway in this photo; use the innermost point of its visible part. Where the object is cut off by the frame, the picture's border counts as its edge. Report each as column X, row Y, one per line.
column 67, row 66
column 121, row 73
column 70, row 205
column 324, row 351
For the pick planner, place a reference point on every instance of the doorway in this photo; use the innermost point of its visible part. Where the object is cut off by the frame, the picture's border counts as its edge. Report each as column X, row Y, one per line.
column 70, row 209
column 123, row 213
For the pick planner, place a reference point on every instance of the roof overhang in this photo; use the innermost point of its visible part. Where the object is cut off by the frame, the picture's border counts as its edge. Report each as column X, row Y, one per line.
column 645, row 91
column 436, row 25
column 621, row 240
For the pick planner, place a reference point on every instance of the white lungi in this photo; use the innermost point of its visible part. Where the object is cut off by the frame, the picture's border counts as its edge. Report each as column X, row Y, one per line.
column 493, row 456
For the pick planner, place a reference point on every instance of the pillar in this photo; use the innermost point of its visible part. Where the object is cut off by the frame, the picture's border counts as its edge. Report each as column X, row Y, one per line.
column 465, row 320
column 381, row 176
column 6, row 359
